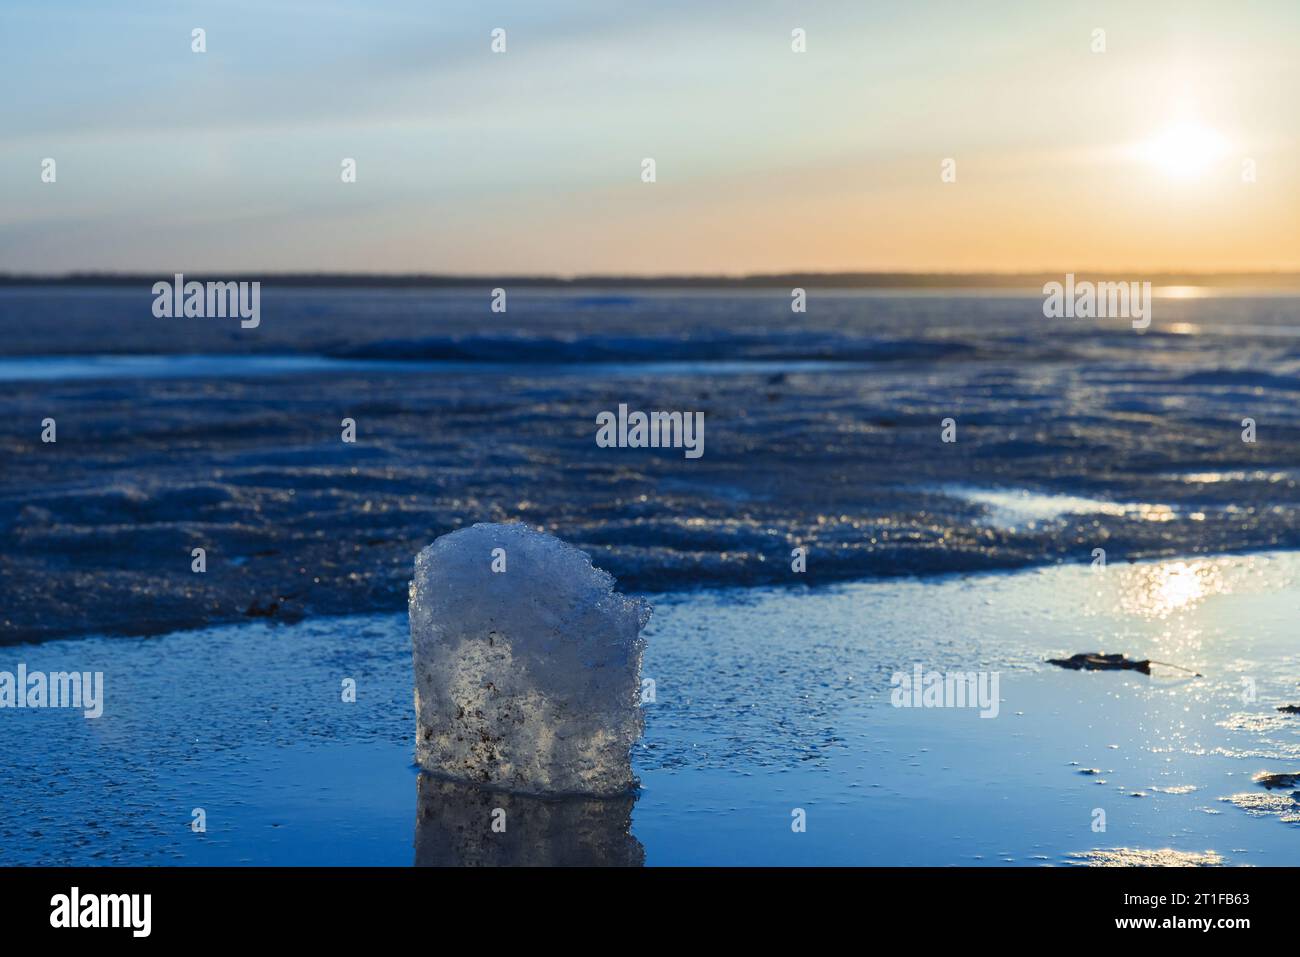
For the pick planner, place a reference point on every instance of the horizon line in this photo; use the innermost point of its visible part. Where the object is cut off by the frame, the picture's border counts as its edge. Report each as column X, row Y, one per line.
column 870, row 279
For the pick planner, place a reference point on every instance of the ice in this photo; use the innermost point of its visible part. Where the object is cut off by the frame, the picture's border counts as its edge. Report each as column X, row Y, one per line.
column 527, row 664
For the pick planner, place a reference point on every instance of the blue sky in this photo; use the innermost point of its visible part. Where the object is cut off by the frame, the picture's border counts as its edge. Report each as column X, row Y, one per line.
column 529, row 161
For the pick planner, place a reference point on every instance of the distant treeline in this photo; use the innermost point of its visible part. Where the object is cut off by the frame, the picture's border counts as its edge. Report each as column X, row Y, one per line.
column 826, row 280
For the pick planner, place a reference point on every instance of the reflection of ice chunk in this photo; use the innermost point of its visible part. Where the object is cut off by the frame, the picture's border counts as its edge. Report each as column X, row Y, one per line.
column 460, row 825
column 527, row 664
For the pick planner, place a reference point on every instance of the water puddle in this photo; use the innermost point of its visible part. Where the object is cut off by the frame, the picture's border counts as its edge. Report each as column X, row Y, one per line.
column 1011, row 509
column 100, row 367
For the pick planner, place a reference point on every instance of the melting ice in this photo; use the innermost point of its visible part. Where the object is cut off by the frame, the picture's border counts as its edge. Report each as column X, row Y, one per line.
column 527, row 664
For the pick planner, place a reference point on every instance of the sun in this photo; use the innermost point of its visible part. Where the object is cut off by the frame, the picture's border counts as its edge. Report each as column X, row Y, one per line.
column 1184, row 151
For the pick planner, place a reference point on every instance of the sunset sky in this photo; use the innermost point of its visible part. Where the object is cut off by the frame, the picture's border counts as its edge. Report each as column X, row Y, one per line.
column 767, row 160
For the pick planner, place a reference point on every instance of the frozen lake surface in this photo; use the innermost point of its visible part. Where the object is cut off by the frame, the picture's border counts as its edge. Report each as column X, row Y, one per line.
column 822, row 430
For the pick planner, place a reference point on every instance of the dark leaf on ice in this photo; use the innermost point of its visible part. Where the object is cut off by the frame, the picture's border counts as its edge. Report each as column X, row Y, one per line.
column 1096, row 661
column 1100, row 662
column 258, row 610
column 1272, row 781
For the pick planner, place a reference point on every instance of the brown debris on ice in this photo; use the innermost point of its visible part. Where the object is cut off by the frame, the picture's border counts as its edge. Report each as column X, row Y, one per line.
column 1276, row 781
column 1099, row 661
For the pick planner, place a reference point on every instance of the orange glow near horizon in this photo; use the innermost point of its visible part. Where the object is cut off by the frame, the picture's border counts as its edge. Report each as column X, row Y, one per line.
column 1173, row 147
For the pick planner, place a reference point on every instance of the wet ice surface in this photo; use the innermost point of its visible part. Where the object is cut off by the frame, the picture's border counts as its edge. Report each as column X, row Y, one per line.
column 766, row 700
column 822, row 433
column 1130, row 857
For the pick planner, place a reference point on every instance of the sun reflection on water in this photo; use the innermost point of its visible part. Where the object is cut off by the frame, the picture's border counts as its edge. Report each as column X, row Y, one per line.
column 1157, row 591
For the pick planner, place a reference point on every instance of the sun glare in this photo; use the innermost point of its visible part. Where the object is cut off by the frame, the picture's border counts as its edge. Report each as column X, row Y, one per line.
column 1157, row 591
column 1184, row 151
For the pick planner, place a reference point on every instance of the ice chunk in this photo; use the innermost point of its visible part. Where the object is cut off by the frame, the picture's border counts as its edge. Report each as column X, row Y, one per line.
column 527, row 664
